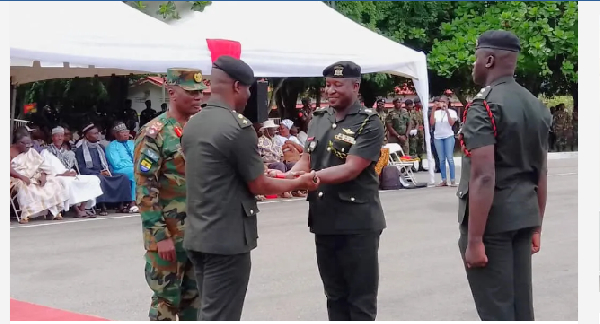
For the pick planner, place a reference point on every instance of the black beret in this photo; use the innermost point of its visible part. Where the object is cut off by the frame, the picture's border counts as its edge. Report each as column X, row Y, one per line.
column 236, row 69
column 499, row 40
column 342, row 69
column 408, row 102
column 381, row 100
column 417, row 100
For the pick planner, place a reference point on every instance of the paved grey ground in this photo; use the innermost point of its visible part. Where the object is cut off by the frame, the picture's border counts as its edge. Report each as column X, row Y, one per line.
column 96, row 266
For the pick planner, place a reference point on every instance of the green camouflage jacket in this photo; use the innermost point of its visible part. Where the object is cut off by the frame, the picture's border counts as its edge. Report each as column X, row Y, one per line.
column 399, row 120
column 159, row 171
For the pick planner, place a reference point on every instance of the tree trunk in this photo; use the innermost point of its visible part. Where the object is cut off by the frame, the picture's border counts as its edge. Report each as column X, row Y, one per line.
column 287, row 97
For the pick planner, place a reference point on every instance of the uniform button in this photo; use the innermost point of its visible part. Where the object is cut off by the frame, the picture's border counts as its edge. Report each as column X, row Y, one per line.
column 320, row 194
column 251, row 211
column 342, row 150
column 329, row 149
column 352, row 199
column 460, row 193
column 333, row 126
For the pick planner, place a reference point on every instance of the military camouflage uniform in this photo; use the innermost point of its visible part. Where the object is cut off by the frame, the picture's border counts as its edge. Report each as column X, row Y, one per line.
column 382, row 116
column 575, row 129
column 399, row 119
column 560, row 130
column 159, row 169
column 416, row 142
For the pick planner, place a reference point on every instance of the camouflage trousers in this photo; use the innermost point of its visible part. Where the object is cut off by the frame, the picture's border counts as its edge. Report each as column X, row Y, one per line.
column 561, row 141
column 174, row 285
column 416, row 145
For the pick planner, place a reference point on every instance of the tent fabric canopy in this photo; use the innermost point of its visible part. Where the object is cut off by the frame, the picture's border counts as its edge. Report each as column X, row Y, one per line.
column 102, row 38
column 106, row 38
column 299, row 47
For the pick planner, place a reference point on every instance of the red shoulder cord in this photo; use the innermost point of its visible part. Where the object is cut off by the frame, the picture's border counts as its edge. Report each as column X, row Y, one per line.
column 464, row 120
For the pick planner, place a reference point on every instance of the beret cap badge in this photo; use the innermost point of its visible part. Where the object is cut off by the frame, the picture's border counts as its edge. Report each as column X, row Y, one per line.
column 338, row 71
column 198, row 77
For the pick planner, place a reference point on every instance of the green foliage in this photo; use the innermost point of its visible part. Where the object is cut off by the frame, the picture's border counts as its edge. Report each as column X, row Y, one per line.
column 548, row 34
column 167, row 10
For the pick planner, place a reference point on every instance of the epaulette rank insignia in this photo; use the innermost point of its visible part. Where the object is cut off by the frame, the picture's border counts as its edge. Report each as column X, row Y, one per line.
column 243, row 121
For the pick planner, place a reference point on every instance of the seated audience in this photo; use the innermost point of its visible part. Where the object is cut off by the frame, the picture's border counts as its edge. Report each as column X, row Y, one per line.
column 284, row 134
column 91, row 159
column 37, row 135
column 83, row 189
column 119, row 154
column 37, row 191
column 61, row 149
column 274, row 156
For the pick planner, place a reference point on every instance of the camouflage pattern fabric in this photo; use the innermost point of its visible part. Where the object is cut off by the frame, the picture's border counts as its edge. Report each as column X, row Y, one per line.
column 415, row 145
column 559, row 126
column 382, row 116
column 400, row 120
column 188, row 79
column 159, row 171
column 575, row 131
column 175, row 292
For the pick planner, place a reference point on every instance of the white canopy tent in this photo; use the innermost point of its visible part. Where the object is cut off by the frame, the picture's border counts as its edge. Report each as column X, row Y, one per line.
column 106, row 38
column 280, row 39
column 66, row 39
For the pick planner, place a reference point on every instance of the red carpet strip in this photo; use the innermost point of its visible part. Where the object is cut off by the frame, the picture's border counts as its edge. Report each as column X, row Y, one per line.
column 22, row 311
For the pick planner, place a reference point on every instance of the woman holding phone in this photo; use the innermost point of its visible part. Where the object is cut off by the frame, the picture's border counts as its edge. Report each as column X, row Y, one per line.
column 444, row 118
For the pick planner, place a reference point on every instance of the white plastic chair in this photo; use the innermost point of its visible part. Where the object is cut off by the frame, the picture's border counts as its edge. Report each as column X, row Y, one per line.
column 404, row 166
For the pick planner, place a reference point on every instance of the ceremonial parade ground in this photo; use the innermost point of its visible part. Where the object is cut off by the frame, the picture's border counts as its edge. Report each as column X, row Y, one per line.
column 96, row 266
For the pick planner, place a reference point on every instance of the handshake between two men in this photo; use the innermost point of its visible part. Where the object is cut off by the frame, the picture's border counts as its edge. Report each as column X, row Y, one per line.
column 303, row 180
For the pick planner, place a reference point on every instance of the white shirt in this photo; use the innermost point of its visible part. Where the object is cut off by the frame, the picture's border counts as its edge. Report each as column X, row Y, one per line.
column 442, row 127
column 280, row 140
column 302, row 136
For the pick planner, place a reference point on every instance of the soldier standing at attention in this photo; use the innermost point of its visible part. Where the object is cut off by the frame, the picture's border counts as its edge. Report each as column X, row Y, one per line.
column 345, row 214
column 159, row 170
column 397, row 124
column 382, row 116
column 503, row 186
column 559, row 126
column 225, row 172
column 417, row 140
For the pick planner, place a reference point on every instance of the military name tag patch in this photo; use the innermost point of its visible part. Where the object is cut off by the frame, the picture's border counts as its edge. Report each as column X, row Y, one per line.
column 151, row 154
column 345, row 138
column 145, row 165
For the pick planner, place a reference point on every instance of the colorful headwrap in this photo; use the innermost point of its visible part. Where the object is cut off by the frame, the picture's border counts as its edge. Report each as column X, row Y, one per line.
column 120, row 127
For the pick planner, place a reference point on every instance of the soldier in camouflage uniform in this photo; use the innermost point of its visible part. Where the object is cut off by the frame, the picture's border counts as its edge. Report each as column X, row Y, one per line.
column 560, row 128
column 575, row 128
column 397, row 124
column 159, row 167
column 382, row 116
column 416, row 141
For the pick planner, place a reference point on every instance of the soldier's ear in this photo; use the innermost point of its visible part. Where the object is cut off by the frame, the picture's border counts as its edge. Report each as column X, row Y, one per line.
column 489, row 61
column 171, row 91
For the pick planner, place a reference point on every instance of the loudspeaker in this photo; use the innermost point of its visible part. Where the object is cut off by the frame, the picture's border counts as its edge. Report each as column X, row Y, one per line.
column 257, row 110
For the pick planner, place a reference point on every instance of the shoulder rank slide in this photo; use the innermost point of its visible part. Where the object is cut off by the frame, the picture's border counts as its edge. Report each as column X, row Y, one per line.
column 320, row 111
column 241, row 119
column 483, row 93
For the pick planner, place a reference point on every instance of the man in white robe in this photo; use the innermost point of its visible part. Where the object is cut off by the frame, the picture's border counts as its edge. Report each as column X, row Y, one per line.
column 37, row 190
column 82, row 189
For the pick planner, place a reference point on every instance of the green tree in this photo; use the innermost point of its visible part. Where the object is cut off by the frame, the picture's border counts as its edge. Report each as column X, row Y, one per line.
column 168, row 10
column 548, row 34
